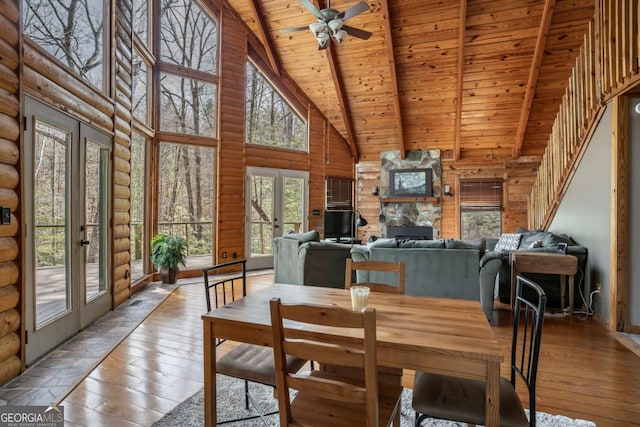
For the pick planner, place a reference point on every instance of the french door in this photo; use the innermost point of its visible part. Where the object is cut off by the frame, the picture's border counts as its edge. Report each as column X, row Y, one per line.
column 276, row 204
column 68, row 192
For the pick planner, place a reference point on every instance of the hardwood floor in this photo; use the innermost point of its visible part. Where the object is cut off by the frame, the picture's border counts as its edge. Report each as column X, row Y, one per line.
column 584, row 371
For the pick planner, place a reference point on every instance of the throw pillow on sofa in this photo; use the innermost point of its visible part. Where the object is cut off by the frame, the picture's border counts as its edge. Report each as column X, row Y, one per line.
column 508, row 242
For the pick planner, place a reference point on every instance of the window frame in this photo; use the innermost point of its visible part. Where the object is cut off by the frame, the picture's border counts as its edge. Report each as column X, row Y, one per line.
column 481, row 199
column 291, row 101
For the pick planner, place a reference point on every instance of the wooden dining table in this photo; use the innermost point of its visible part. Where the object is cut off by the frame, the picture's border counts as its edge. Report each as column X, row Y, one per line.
column 439, row 335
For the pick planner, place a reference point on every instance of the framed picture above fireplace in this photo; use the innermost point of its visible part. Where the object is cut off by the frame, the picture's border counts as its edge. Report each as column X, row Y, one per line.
column 410, row 182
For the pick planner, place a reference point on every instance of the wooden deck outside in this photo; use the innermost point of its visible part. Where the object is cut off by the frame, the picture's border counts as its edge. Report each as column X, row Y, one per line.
column 584, row 371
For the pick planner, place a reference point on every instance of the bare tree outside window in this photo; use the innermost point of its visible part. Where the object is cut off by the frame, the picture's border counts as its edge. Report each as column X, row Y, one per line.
column 186, row 197
column 187, row 106
column 270, row 120
column 189, row 40
column 140, row 88
column 72, row 31
column 141, row 20
column 188, row 36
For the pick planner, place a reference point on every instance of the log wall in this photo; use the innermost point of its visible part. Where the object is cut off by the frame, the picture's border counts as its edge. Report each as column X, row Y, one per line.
column 123, row 118
column 27, row 67
column 11, row 297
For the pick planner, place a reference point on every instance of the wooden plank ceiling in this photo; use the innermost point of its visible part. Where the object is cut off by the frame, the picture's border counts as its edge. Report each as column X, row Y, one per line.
column 477, row 79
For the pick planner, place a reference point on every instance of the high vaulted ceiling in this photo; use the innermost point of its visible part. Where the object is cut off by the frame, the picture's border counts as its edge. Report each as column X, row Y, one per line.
column 477, row 79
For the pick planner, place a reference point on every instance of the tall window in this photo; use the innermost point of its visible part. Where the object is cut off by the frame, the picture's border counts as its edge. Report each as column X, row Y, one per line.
column 137, row 211
column 339, row 194
column 187, row 60
column 140, row 88
column 186, row 198
column 188, row 46
column 72, row 31
column 480, row 208
column 269, row 119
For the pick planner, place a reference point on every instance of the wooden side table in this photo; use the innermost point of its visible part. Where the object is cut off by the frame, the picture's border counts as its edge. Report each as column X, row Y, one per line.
column 545, row 263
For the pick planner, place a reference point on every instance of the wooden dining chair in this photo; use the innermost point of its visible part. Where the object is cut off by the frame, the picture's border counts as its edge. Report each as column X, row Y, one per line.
column 384, row 269
column 248, row 362
column 324, row 399
column 463, row 400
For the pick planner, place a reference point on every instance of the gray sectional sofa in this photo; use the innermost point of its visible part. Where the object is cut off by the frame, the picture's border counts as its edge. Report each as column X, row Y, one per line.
column 542, row 241
column 302, row 259
column 438, row 268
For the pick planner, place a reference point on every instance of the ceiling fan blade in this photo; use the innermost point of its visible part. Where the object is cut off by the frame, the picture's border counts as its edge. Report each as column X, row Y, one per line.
column 294, row 29
column 313, row 9
column 354, row 10
column 356, row 32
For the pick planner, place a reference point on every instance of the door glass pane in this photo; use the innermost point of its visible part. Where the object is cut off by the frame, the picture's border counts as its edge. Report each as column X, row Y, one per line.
column 52, row 285
column 95, row 210
column 186, row 198
column 293, row 204
column 262, row 188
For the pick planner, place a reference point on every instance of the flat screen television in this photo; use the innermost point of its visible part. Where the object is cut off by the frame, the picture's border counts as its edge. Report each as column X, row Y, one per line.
column 338, row 225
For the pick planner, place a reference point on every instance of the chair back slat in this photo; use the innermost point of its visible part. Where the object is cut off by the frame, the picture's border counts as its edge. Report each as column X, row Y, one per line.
column 224, row 289
column 328, row 388
column 530, row 304
column 324, row 352
column 327, row 345
column 377, row 266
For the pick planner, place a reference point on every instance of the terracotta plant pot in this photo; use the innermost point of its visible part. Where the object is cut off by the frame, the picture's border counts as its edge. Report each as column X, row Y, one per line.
column 169, row 275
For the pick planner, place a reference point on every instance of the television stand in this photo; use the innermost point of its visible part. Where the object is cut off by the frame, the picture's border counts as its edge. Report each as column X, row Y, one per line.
column 345, row 240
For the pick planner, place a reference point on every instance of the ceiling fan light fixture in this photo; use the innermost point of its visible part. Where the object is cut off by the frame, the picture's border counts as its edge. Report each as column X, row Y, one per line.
column 323, row 39
column 335, row 25
column 339, row 36
column 317, row 28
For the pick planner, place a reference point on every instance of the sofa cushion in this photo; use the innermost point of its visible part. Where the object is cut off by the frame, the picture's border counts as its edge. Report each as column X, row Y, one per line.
column 508, row 242
column 531, row 237
column 551, row 240
column 479, row 244
column 385, row 242
column 309, row 236
column 410, row 243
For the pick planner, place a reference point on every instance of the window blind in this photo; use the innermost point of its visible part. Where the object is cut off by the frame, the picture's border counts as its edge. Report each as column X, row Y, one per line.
column 481, row 193
column 339, row 193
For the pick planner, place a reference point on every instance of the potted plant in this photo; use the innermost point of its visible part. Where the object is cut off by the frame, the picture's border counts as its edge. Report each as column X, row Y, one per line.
column 167, row 254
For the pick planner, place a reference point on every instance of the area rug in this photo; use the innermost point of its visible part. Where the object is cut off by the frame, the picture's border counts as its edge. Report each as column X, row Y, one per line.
column 231, row 406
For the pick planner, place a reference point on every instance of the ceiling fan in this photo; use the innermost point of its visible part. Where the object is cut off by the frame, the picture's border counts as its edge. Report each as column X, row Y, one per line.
column 330, row 25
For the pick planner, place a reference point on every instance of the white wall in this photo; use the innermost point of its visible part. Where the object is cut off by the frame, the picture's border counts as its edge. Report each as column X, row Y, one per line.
column 634, row 212
column 585, row 212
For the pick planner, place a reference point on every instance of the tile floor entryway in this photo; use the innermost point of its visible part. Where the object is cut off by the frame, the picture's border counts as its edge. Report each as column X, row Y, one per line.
column 49, row 379
column 52, row 377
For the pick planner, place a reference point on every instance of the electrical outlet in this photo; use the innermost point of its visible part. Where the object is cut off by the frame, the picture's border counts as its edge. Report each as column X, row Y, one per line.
column 599, row 286
column 224, row 255
column 5, row 216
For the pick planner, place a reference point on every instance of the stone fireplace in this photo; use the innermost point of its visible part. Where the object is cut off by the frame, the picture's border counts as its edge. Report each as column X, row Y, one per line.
column 410, row 210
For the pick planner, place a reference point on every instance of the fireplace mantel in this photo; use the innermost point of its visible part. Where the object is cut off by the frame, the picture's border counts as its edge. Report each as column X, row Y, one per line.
column 410, row 199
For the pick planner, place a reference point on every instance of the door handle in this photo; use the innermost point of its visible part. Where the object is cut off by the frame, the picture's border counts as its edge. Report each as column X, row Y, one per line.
column 84, row 242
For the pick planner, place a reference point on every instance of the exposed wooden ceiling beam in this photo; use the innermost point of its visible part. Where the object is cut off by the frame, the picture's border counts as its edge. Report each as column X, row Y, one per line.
column 541, row 42
column 265, row 37
column 344, row 106
column 394, row 80
column 340, row 93
column 462, row 31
